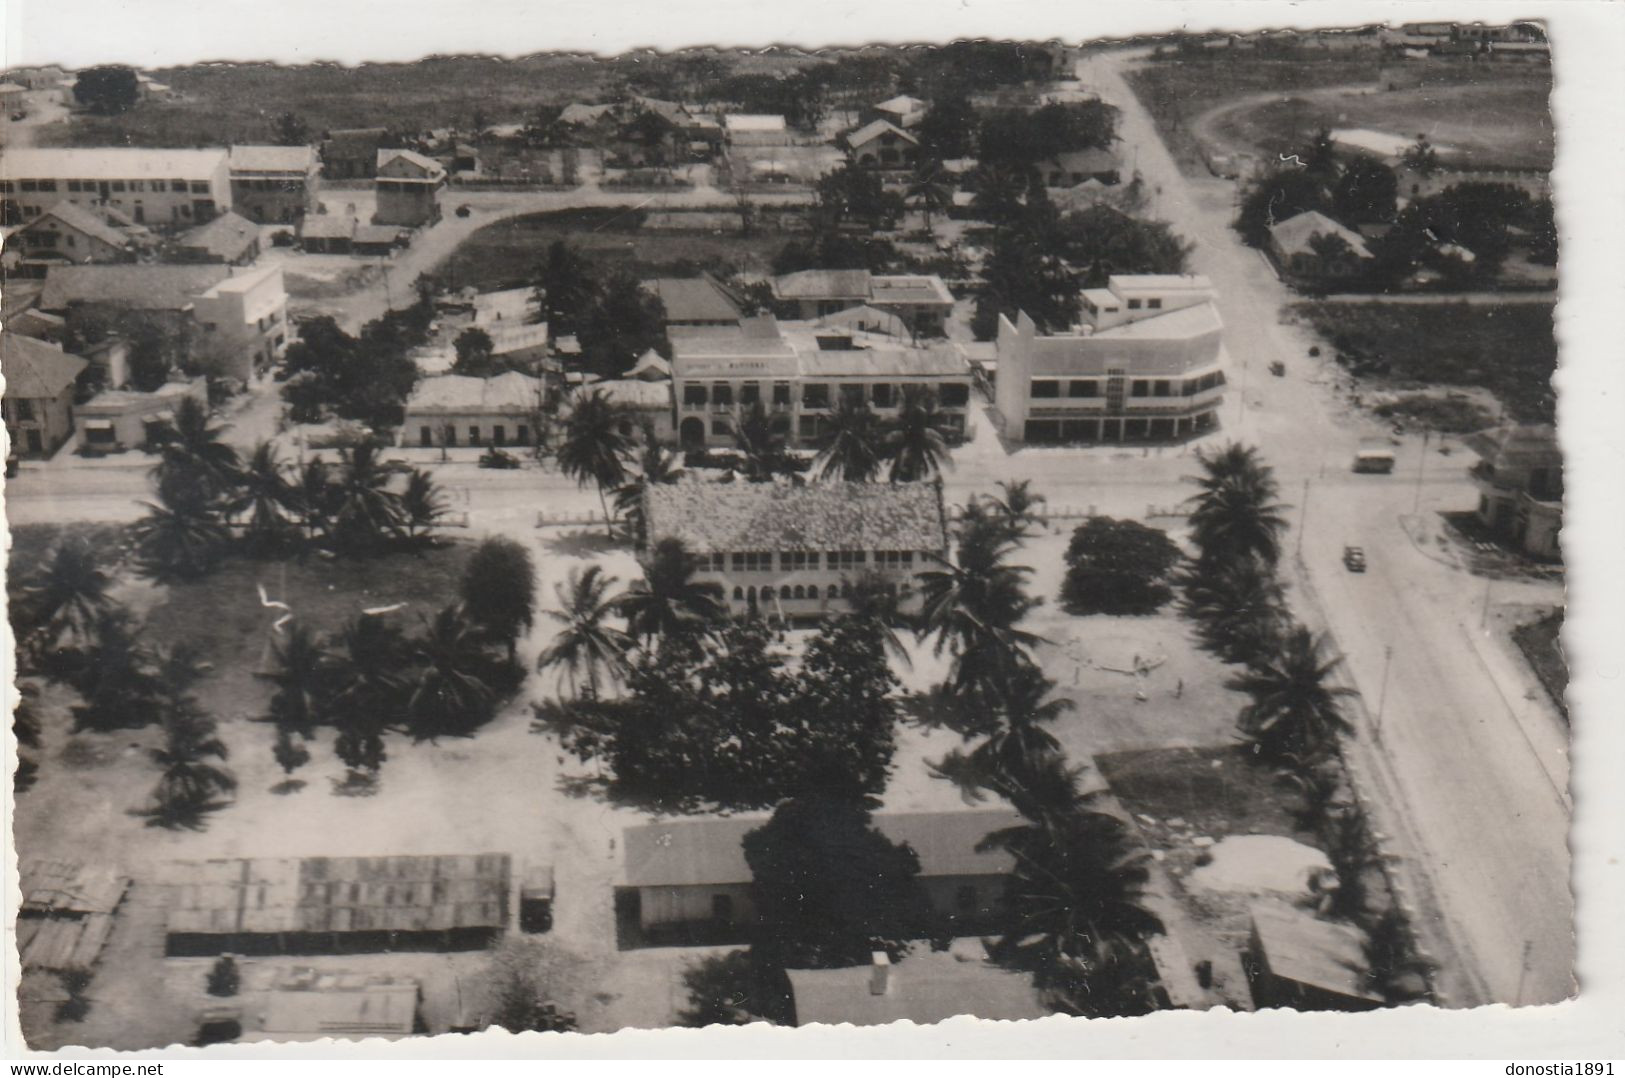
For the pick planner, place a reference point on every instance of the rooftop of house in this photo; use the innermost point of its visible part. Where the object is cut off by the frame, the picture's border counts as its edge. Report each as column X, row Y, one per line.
column 926, row 987
column 35, row 370
column 874, row 129
column 356, row 135
column 844, row 353
column 765, row 347
column 428, row 165
column 1192, row 321
column 299, row 159
column 1129, row 284
column 902, row 105
column 458, row 393
column 246, row 281
column 327, row 226
column 228, row 237
column 694, row 299
column 151, row 288
column 823, row 284
column 1296, row 234
column 506, row 305
column 695, row 852
column 865, row 319
column 115, row 401
column 1517, row 445
column 112, row 163
column 308, row 1003
column 909, row 288
column 509, row 337
column 651, row 367
column 635, row 392
column 89, row 222
column 756, row 123
column 1301, row 948
column 578, row 113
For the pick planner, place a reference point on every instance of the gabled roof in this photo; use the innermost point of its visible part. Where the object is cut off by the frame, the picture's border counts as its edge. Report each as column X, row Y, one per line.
column 35, row 370
column 81, row 220
column 693, row 299
column 1320, row 954
column 902, row 104
column 327, row 226
column 650, row 367
column 579, row 114
column 1294, row 235
column 1525, row 444
column 299, row 159
column 227, row 237
column 874, row 129
column 926, row 987
column 909, row 288
column 866, row 319
column 150, row 288
column 428, row 165
column 458, row 393
column 823, row 284
column 310, row 1004
column 721, row 517
column 635, row 393
column 697, row 851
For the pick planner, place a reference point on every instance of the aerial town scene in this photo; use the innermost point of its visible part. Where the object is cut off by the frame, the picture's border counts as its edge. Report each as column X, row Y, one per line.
column 715, row 537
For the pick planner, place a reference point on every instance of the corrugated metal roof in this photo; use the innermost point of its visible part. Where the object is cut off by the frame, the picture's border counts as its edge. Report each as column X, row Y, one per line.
column 508, row 392
column 111, row 163
column 150, row 288
column 228, row 236
column 924, row 987
column 693, row 299
column 1293, row 235
column 1308, row 951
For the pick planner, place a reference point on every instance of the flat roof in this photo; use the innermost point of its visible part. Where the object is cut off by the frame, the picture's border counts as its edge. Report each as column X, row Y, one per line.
column 925, row 987
column 111, row 163
column 299, row 159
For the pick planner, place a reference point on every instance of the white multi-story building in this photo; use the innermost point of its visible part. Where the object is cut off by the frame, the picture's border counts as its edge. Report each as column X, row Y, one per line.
column 1146, row 364
column 244, row 322
column 181, row 188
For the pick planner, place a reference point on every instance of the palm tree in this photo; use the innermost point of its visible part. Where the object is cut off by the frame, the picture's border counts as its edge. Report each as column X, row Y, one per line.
column 655, row 464
column 265, row 494
column 193, row 455
column 998, row 194
column 1236, row 514
column 422, row 505
column 851, row 446
column 1239, row 608
column 118, row 681
column 1294, row 711
column 451, row 697
column 368, row 691
column 188, row 785
column 302, row 678
column 586, row 641
column 668, row 602
column 365, row 510
column 916, row 440
column 182, row 536
column 1020, row 740
column 873, row 598
column 760, row 439
column 593, row 447
column 1075, row 900
column 928, row 188
column 314, row 497
column 972, row 606
column 1393, row 968
column 1016, row 506
column 62, row 602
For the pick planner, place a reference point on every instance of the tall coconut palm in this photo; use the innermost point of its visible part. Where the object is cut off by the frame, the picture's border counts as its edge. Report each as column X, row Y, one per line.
column 930, row 190
column 852, row 445
column 917, row 438
column 1026, row 709
column 366, row 513
column 182, row 536
column 586, row 641
column 62, row 602
column 189, row 786
column 1016, row 505
column 302, row 678
column 1294, row 711
column 655, row 464
column 422, row 505
column 451, row 697
column 1393, row 968
column 760, row 439
column 118, row 681
column 1239, row 608
column 314, row 497
column 192, row 454
column 873, row 598
column 592, row 448
column 266, row 496
column 668, row 601
column 971, row 606
column 368, row 691
column 1235, row 513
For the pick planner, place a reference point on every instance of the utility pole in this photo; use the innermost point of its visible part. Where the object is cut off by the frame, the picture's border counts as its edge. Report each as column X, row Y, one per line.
column 1303, row 517
column 1421, row 465
column 1382, row 694
column 1523, row 971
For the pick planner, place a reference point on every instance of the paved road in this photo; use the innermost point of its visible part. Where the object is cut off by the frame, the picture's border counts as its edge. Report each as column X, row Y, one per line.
column 1483, row 780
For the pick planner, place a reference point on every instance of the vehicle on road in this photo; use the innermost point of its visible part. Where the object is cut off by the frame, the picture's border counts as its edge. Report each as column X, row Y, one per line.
column 1376, row 461
column 1354, row 559
column 1278, row 369
column 496, row 458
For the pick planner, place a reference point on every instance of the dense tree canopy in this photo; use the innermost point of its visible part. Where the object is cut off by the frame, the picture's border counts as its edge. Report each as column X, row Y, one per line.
column 1102, row 241
column 1118, row 567
column 1274, row 198
column 109, row 89
column 1022, row 138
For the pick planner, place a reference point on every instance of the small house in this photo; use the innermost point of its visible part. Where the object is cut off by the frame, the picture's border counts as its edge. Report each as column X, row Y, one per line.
column 1297, row 961
column 1080, row 166
column 901, row 111
column 229, row 239
column 70, row 234
column 695, row 301
column 327, row 233
column 1311, row 248
column 309, row 1004
column 275, row 184
column 352, row 153
column 1519, row 476
column 882, row 144
column 118, row 420
column 925, row 987
column 408, row 188
column 755, row 130
column 453, row 409
column 40, row 383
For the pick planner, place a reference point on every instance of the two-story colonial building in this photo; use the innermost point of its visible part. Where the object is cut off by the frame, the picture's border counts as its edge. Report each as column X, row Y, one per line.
column 921, row 300
column 40, row 382
column 408, row 188
column 1147, row 364
column 275, row 184
column 796, row 551
column 882, row 144
column 179, row 188
column 797, row 371
column 244, row 322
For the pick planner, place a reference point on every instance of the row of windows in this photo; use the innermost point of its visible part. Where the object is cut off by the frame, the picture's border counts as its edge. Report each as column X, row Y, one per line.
column 447, row 435
column 801, row 591
column 1050, row 388
column 1150, row 304
column 403, row 186
column 296, row 186
column 761, row 561
column 817, row 394
column 196, row 187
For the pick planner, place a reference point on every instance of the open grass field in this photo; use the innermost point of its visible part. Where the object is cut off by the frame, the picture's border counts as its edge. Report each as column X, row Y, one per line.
column 507, row 252
column 1508, row 349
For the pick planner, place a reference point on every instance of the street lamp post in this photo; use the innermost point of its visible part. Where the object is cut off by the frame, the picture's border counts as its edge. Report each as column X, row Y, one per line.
column 1303, row 518
column 1382, row 694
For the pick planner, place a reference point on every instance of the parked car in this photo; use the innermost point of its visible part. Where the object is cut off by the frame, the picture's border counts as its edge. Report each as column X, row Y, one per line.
column 496, row 458
column 1354, row 559
column 1278, row 369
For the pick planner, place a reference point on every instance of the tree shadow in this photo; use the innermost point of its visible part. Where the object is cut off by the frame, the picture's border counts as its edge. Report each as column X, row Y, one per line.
column 582, row 543
column 289, row 786
column 356, row 784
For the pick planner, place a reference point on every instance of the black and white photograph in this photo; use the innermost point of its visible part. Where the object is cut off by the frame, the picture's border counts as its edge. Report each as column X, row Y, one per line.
column 539, row 539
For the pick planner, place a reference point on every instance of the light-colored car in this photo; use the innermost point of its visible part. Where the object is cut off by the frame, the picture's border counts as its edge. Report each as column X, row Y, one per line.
column 1354, row 559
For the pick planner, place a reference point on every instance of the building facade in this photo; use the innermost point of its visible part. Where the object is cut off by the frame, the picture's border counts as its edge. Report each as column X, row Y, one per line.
column 454, row 410
column 882, row 144
column 921, row 300
column 275, row 184
column 408, row 188
column 244, row 323
column 1147, row 364
column 798, row 372
column 67, row 234
column 162, row 188
column 796, row 551
column 1519, row 476
column 118, row 419
column 38, row 404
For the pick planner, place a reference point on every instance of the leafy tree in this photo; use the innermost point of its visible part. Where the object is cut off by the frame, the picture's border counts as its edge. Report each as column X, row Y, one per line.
column 517, row 988
column 189, row 786
column 182, row 536
column 1366, row 192
column 1118, row 567
column 224, row 978
column 831, row 249
column 499, row 590
column 851, row 444
column 1421, row 157
column 852, row 192
column 109, row 89
column 1235, row 514
column 368, row 692
column 929, row 189
column 1320, row 157
column 475, row 354
column 1274, row 198
column 723, row 990
column 452, row 696
column 998, row 195
column 569, row 288
column 1024, row 138
column 1394, row 969
column 917, row 438
column 290, row 129
column 948, row 129
column 1105, row 241
column 625, row 323
column 1294, row 712
column 26, row 728
column 586, row 641
column 668, row 602
column 1018, row 277
column 367, row 378
column 829, row 888
column 593, row 448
